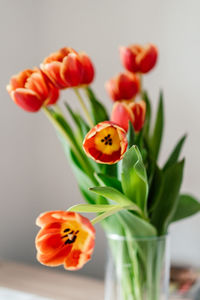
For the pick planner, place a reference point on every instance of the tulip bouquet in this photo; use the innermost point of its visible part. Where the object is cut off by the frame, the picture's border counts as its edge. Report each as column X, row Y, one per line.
column 115, row 161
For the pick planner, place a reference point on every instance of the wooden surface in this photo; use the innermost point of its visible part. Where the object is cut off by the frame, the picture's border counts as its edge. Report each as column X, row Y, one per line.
column 49, row 283
column 46, row 282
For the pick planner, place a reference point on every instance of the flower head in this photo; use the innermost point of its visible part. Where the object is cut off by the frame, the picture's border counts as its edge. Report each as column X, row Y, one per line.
column 124, row 112
column 67, row 68
column 105, row 143
column 31, row 89
column 64, row 238
column 136, row 58
column 125, row 86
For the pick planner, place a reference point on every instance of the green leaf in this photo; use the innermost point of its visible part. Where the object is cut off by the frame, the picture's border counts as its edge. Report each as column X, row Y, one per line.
column 113, row 194
column 134, row 178
column 156, row 138
column 98, row 111
column 75, row 116
column 112, row 211
column 59, row 119
column 84, row 181
column 187, row 206
column 174, row 156
column 148, row 114
column 130, row 135
column 154, row 189
column 167, row 202
column 91, row 208
column 109, row 181
column 137, row 226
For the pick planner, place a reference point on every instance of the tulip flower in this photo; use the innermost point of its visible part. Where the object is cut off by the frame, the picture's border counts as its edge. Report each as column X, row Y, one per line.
column 67, row 68
column 31, row 89
column 124, row 112
column 136, row 58
column 123, row 87
column 64, row 238
column 106, row 143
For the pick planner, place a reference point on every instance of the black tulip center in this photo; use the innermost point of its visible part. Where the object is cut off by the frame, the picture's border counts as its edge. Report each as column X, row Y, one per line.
column 107, row 140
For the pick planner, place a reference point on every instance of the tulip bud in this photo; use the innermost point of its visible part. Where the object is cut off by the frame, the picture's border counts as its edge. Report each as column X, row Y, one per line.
column 123, row 87
column 67, row 68
column 31, row 89
column 136, row 58
column 134, row 112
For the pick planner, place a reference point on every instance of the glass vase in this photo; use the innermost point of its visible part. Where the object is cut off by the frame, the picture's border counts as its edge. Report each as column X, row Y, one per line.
column 137, row 268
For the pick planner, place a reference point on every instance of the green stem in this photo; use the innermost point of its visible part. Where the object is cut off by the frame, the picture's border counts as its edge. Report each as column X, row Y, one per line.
column 84, row 107
column 68, row 139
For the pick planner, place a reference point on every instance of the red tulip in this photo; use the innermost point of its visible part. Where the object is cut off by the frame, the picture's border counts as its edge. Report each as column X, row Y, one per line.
column 64, row 238
column 124, row 112
column 123, row 87
column 31, row 89
column 67, row 68
column 136, row 58
column 106, row 143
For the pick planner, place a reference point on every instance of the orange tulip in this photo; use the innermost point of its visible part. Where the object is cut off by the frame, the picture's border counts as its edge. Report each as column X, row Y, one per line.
column 136, row 58
column 64, row 238
column 67, row 68
column 123, row 87
column 31, row 89
column 124, row 112
column 106, row 143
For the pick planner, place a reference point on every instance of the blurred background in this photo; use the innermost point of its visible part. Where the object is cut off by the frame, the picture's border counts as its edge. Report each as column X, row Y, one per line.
column 35, row 175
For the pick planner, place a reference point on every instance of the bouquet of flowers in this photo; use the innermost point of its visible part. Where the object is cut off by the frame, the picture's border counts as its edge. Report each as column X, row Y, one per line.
column 115, row 161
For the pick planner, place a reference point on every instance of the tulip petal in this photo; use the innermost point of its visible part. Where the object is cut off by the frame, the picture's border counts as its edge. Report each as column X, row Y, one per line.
column 49, row 242
column 19, row 80
column 122, row 114
column 54, row 216
column 52, row 70
column 26, row 99
column 139, row 112
column 128, row 59
column 56, row 259
column 128, row 85
column 147, row 59
column 72, row 70
column 88, row 69
column 37, row 84
column 113, row 89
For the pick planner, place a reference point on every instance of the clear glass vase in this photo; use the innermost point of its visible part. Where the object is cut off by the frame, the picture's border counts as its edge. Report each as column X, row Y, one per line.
column 137, row 268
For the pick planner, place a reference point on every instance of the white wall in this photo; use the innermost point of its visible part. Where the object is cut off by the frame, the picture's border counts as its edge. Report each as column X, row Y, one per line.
column 34, row 174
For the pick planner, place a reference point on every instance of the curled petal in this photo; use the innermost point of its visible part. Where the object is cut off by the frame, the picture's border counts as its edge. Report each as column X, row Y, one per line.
column 27, row 99
column 59, row 55
column 19, row 80
column 54, row 216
